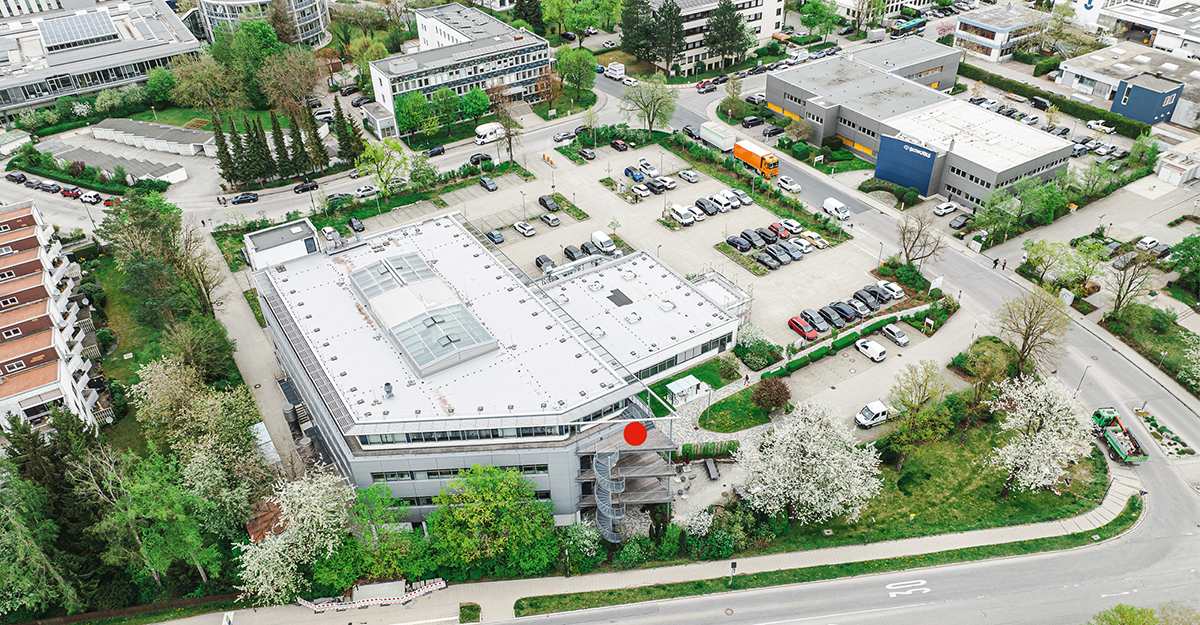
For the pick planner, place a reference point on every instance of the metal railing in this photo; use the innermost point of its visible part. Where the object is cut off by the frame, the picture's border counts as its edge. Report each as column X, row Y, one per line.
column 606, row 487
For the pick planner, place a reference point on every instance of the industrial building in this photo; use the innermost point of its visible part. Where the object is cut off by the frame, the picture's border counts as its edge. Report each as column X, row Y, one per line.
column 917, row 137
column 421, row 351
column 79, row 52
column 918, row 59
column 994, row 33
column 1099, row 76
column 461, row 48
column 764, row 17
column 310, row 18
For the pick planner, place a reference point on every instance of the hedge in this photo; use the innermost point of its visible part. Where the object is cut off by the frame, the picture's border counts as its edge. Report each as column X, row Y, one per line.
column 1046, row 66
column 797, row 364
column 722, row 449
column 84, row 253
column 775, row 373
column 805, row 40
column 1085, row 112
column 877, row 325
column 801, row 152
column 818, row 353
column 62, row 176
column 845, row 340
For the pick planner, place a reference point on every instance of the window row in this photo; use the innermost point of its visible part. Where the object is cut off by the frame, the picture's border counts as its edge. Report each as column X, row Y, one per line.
column 854, row 126
column 441, row 474
column 962, row 194
column 969, row 176
column 814, row 118
column 718, row 344
column 701, row 15
column 924, row 73
column 540, row 495
column 464, row 435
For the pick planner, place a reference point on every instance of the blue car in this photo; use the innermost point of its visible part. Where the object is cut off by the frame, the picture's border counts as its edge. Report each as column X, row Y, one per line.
column 739, row 244
column 635, row 173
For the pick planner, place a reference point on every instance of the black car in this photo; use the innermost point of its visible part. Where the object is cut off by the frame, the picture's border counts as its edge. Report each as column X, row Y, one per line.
column 879, row 294
column 619, row 145
column 307, row 185
column 361, row 100
column 586, row 154
column 691, row 132
column 815, row 320
column 867, row 299
column 589, row 248
column 832, row 51
column 752, row 121
column 1061, row 132
column 488, row 183
column 845, row 310
column 776, row 65
column 548, row 203
column 830, row 315
column 544, row 263
column 738, row 243
column 348, row 89
column 845, row 30
column 792, row 250
column 656, row 187
column 757, row 69
column 766, row 235
column 244, row 198
column 771, row 131
column 580, row 130
column 436, row 150
column 768, row 261
column 573, row 253
column 49, row 187
column 479, row 157
column 976, row 100
column 960, row 222
column 752, row 236
column 15, row 176
column 495, row 237
column 707, row 206
column 568, row 36
column 33, row 183
column 720, row 80
column 356, row 225
column 338, row 197
column 779, row 254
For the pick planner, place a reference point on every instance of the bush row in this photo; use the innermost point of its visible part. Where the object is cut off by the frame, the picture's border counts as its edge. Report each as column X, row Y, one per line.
column 846, row 340
column 712, row 449
column 1046, row 66
column 1124, row 125
column 62, row 176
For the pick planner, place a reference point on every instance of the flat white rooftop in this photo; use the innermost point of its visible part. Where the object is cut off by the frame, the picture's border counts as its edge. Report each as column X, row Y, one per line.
column 636, row 307
column 981, row 136
column 539, row 374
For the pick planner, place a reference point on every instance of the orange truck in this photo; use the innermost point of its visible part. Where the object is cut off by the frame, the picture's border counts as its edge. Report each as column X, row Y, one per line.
column 758, row 158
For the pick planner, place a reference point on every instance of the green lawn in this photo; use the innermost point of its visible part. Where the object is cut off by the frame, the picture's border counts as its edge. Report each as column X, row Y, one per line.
column 230, row 243
column 708, row 372
column 468, row 613
column 1150, row 344
column 566, row 104
column 132, row 337
column 181, row 116
column 734, row 413
column 252, row 299
column 168, row 615
column 127, row 434
column 447, row 134
column 1181, row 294
column 749, row 264
column 570, row 208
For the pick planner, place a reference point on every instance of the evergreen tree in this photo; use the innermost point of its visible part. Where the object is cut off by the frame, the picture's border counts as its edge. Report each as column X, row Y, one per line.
column 225, row 159
column 264, row 149
column 531, row 12
column 251, row 166
column 283, row 165
column 345, row 147
column 668, row 33
column 237, row 147
column 316, row 147
column 637, row 29
column 356, row 139
column 727, row 35
column 300, row 161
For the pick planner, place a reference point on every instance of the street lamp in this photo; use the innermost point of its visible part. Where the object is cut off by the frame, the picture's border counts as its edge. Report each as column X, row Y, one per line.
column 656, row 252
column 522, row 206
column 881, row 253
column 155, row 112
column 1085, row 370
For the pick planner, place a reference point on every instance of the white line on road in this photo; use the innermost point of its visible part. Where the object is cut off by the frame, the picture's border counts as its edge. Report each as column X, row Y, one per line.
column 432, row 620
column 839, row 614
column 1115, row 594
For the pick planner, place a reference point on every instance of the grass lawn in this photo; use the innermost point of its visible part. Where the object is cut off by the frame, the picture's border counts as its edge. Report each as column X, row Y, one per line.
column 230, row 243
column 447, row 134
column 708, row 372
column 749, row 264
column 632, row 66
column 838, row 167
column 181, row 116
column 127, row 434
column 252, row 299
column 734, row 413
column 566, row 105
column 1181, row 294
column 570, row 208
column 132, row 337
column 468, row 613
column 1150, row 344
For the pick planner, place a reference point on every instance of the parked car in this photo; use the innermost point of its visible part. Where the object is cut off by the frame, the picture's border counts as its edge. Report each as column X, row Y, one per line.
column 544, row 263
column 945, row 208
column 894, row 334
column 871, row 349
column 479, row 158
column 365, row 191
column 817, row 240
column 647, row 168
column 630, row 82
column 91, row 197
column 359, row 173
column 741, row 73
column 635, row 173
column 666, row 181
column 697, row 213
column 330, row 233
column 307, row 185
column 1146, row 244
column 548, row 203
column 15, row 176
column 709, row 88
column 752, row 121
column 766, row 260
column 814, row 319
column 892, row 289
column 802, row 243
column 565, row 135
column 116, row 200
column 767, row 235
column 779, row 230
column 1125, row 260
column 573, row 253
column 243, row 198
column 495, row 236
column 338, row 198
column 960, row 222
column 72, row 192
column 867, row 299
column 1098, row 124
column 845, row 30
column 356, row 224
column 860, row 309
column 619, row 145
column 524, row 228
column 33, row 183
column 550, row 219
column 752, row 236
column 879, row 294
column 758, row 69
column 689, row 176
column 741, row 196
column 779, row 254
column 772, row 131
column 361, row 100
column 788, row 184
column 1162, row 250
column 567, row 35
column 792, row 250
column 487, row 183
column 587, row 154
column 832, row 317
column 1062, row 132
column 803, row 328
column 348, row 89
column 707, row 205
column 738, row 243
column 874, row 413
column 757, row 98
column 656, row 187
column 640, row 190
column 848, row 313
column 436, row 150
column 691, row 132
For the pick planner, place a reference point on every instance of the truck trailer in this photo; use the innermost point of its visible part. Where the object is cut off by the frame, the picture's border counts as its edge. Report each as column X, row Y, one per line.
column 760, row 159
column 717, row 136
column 1122, row 445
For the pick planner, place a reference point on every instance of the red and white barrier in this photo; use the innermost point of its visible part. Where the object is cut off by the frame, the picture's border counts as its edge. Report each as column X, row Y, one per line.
column 427, row 588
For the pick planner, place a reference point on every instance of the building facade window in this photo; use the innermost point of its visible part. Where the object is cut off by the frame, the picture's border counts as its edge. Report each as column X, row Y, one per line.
column 14, row 366
column 11, row 332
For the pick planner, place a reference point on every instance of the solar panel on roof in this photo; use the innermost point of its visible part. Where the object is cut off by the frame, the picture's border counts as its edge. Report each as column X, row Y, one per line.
column 77, row 30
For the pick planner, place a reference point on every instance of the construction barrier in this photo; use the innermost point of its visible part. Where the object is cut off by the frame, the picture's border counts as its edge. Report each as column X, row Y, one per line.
column 419, row 589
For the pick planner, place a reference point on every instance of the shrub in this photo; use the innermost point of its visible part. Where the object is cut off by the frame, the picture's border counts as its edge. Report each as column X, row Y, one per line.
column 1118, row 328
column 845, row 341
column 95, row 293
column 105, row 339
column 797, row 364
column 771, row 394
column 729, row 368
column 1161, row 321
column 911, row 198
column 668, row 545
column 826, row 154
column 634, row 552
column 1046, row 66
column 961, row 361
column 801, row 151
column 818, row 353
column 833, row 143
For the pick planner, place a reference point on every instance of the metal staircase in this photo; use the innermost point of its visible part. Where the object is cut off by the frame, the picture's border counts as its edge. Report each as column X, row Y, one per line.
column 606, row 487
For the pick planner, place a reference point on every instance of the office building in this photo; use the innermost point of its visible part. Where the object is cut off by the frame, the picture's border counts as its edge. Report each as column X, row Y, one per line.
column 46, row 337
column 421, row 351
column 1098, row 76
column 994, row 33
column 310, row 18
column 917, row 137
column 764, row 17
column 918, row 59
column 1169, row 25
column 77, row 53
column 461, row 48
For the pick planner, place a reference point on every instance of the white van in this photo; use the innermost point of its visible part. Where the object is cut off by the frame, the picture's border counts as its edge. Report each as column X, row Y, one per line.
column 836, row 209
column 682, row 215
column 604, row 242
column 871, row 415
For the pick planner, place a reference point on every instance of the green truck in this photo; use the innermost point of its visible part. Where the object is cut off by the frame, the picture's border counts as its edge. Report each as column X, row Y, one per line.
column 1122, row 445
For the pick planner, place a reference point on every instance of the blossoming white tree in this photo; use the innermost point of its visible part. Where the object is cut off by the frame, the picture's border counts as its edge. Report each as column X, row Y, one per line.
column 1048, row 427
column 810, row 465
column 1190, row 369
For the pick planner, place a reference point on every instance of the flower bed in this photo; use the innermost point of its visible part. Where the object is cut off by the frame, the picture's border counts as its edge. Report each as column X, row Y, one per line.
column 747, row 263
column 570, row 208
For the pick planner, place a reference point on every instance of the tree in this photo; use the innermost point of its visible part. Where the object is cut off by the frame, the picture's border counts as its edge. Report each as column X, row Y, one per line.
column 281, row 22
column 300, row 160
column 919, row 236
column 867, row 11
column 810, row 465
column 651, row 101
column 1144, row 150
column 1187, row 262
column 342, row 132
column 411, row 112
column 727, row 35
column 287, row 79
column 1047, row 431
column 30, row 580
column 384, row 161
column 916, row 386
column 555, row 12
column 202, row 344
column 581, row 15
column 1045, row 256
column 637, row 29
column 491, row 514
column 244, row 49
column 1174, row 613
column 475, row 104
column 228, row 500
column 929, row 424
column 577, row 68
column 798, row 130
column 771, row 394
column 1053, row 115
column 669, row 38
column 446, row 105
column 283, row 164
column 202, row 82
column 269, row 166
column 978, row 88
column 1129, row 282
column 1084, row 260
column 316, row 147
column 1061, row 17
column 817, row 15
column 1034, row 324
column 732, row 103
column 529, row 11
column 141, row 226
column 421, row 173
column 1122, row 614
column 505, row 117
column 1094, row 179
column 160, row 84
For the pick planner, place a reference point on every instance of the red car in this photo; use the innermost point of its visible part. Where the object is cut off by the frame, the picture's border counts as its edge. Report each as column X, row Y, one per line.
column 801, row 327
column 780, row 231
column 114, row 201
column 72, row 192
column 703, row 83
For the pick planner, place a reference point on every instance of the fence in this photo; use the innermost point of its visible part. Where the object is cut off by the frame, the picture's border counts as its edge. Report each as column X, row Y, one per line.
column 419, row 589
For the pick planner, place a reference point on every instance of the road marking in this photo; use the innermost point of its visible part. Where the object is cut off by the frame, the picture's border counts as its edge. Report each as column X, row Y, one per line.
column 1116, row 594
column 828, row 616
column 432, row 620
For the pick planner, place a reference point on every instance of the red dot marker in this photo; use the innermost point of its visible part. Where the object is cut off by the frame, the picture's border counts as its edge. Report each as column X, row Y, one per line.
column 635, row 434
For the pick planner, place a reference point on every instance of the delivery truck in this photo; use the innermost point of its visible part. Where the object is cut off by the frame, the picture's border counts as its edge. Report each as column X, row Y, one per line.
column 759, row 159
column 1122, row 445
column 875, row 35
column 615, row 71
column 717, row 136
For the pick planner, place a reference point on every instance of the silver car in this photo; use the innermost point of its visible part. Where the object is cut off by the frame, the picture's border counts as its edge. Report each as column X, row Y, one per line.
column 689, row 175
column 895, row 334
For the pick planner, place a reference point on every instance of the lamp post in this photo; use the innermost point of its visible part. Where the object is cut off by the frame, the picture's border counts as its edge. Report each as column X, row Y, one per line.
column 152, row 110
column 881, row 253
column 1080, row 385
column 1101, row 219
column 522, row 206
column 656, row 252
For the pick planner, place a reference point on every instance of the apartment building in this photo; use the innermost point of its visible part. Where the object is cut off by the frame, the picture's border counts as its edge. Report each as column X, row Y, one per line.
column 764, row 17
column 46, row 340
column 996, row 32
column 460, row 48
column 310, row 18
column 79, row 52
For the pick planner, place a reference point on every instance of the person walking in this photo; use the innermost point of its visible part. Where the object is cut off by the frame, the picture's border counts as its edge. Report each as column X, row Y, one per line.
column 1004, row 265
column 995, row 261
column 747, row 379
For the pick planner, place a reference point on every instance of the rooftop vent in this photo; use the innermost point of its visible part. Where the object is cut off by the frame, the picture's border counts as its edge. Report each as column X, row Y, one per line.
column 666, row 306
column 595, row 286
column 1141, row 58
column 599, row 333
column 1170, row 67
column 633, row 318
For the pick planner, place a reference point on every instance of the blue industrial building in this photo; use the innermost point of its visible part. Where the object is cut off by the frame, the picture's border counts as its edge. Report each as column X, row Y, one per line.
column 1147, row 98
